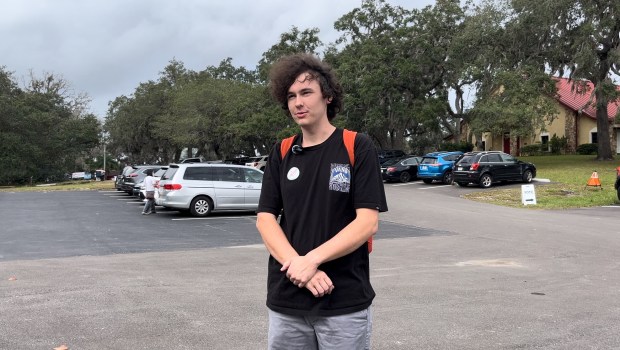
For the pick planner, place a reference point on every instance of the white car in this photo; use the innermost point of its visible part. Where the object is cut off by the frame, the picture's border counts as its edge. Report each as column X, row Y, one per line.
column 258, row 162
column 205, row 187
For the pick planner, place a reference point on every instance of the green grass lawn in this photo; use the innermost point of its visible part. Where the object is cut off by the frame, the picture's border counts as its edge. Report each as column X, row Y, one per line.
column 81, row 185
column 568, row 175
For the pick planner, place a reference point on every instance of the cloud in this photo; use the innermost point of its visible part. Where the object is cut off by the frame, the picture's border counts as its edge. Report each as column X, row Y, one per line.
column 107, row 47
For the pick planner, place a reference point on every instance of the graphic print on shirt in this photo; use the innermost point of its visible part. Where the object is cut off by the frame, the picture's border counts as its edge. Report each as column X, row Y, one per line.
column 340, row 178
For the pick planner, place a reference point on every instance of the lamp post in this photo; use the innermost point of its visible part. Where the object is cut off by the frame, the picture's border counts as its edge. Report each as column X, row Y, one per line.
column 104, row 169
column 104, row 138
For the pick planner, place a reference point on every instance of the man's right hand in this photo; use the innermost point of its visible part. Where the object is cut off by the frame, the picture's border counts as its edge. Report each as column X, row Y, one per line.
column 320, row 284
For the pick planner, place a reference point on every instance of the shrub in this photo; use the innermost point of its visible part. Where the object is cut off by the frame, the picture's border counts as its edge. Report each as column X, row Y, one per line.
column 532, row 150
column 558, row 144
column 461, row 146
column 587, row 148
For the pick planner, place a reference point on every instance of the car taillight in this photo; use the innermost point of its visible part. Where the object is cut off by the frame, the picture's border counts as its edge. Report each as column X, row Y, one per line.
column 474, row 166
column 391, row 169
column 172, row 187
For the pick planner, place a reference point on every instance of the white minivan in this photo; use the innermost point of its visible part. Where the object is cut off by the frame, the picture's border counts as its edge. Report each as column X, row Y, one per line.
column 203, row 188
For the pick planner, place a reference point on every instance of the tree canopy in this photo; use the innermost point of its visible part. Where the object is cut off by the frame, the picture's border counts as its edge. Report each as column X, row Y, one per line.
column 43, row 129
column 405, row 73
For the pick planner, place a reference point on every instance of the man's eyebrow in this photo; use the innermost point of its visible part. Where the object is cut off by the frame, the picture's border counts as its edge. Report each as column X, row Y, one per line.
column 306, row 89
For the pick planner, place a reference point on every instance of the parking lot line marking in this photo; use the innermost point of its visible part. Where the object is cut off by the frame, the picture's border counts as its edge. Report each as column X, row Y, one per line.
column 611, row 206
column 384, row 275
column 405, row 184
column 217, row 217
column 387, row 269
column 125, row 199
column 436, row 186
column 253, row 246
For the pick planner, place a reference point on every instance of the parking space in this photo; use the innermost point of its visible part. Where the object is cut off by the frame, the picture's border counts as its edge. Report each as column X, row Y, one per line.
column 65, row 224
column 453, row 190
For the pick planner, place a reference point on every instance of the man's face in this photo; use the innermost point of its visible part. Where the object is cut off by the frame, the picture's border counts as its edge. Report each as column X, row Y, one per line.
column 306, row 102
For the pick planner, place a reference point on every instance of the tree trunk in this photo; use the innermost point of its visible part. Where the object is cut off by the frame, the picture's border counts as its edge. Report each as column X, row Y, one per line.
column 458, row 103
column 602, row 125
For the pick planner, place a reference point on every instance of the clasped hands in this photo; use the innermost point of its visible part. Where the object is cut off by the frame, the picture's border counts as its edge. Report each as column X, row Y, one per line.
column 303, row 272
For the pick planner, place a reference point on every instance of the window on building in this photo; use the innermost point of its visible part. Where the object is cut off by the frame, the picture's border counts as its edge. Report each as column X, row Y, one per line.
column 544, row 139
column 594, row 137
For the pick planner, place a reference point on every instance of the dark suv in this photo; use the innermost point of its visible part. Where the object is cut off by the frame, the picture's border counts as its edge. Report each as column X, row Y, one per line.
column 487, row 167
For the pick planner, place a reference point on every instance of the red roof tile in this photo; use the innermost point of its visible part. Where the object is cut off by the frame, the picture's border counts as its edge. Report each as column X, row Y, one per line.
column 576, row 100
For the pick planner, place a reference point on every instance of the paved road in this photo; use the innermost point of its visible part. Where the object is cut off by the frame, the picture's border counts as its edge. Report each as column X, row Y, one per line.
column 86, row 270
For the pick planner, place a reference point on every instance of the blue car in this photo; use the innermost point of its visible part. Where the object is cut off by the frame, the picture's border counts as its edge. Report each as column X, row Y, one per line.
column 437, row 166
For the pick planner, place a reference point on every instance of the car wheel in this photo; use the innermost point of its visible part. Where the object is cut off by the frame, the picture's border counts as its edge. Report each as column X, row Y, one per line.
column 428, row 181
column 447, row 178
column 201, row 206
column 404, row 177
column 527, row 176
column 462, row 183
column 486, row 181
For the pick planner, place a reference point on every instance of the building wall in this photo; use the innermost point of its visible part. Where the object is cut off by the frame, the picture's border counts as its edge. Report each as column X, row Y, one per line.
column 576, row 128
column 585, row 125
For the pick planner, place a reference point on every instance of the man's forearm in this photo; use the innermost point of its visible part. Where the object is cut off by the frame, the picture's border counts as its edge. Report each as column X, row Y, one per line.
column 274, row 238
column 349, row 238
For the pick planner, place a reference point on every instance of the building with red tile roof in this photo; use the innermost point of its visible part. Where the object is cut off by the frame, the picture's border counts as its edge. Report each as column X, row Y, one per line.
column 577, row 99
column 576, row 120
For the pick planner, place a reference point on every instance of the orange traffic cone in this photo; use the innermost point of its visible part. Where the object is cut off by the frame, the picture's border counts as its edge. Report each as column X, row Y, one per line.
column 594, row 181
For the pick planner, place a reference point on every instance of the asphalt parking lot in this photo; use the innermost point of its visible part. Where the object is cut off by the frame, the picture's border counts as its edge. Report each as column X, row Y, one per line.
column 85, row 269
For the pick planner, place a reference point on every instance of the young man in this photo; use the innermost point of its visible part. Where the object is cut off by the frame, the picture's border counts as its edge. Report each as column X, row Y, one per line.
column 319, row 291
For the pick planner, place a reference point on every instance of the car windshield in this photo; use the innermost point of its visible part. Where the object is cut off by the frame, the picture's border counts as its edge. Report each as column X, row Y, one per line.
column 467, row 159
column 428, row 160
column 160, row 172
column 169, row 173
column 411, row 161
column 392, row 161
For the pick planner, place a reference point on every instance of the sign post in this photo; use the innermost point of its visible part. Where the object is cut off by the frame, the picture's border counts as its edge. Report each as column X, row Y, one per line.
column 528, row 194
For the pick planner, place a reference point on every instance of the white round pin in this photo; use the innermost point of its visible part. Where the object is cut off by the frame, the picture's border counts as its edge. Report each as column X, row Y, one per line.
column 293, row 173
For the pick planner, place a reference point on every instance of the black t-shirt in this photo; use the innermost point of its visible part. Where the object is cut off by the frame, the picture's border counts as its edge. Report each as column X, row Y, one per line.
column 317, row 192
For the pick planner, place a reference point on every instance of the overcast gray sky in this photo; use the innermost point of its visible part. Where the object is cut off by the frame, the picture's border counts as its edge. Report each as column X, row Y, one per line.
column 105, row 48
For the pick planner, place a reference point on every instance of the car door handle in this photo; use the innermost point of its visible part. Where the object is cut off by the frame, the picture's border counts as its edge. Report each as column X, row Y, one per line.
column 238, row 186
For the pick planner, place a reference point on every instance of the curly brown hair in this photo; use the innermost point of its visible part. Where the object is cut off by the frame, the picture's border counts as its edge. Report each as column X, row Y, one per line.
column 284, row 72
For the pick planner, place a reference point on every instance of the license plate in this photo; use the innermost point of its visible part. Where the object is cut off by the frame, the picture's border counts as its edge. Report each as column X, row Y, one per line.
column 459, row 168
column 423, row 167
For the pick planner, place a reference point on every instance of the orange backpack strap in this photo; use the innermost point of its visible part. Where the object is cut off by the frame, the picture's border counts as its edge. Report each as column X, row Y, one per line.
column 349, row 142
column 286, row 145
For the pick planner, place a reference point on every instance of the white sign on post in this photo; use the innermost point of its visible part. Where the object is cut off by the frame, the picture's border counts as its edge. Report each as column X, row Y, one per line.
column 528, row 195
